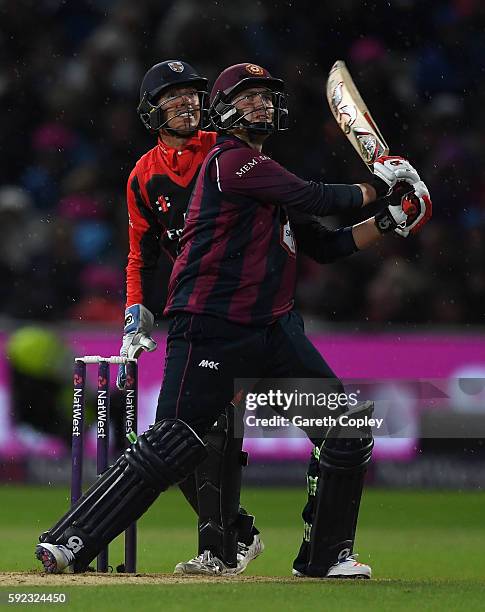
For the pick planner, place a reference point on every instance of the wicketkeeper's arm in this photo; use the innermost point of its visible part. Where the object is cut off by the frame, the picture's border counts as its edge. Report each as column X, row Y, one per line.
column 144, row 240
column 144, row 248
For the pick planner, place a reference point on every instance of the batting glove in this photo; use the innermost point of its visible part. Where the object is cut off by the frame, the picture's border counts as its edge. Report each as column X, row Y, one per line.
column 409, row 208
column 418, row 208
column 136, row 337
column 388, row 170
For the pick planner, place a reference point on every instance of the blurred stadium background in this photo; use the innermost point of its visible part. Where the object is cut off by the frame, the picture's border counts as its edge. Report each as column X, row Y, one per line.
column 69, row 80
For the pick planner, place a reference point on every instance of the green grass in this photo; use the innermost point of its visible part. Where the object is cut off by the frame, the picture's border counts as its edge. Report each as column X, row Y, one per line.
column 426, row 550
column 294, row 597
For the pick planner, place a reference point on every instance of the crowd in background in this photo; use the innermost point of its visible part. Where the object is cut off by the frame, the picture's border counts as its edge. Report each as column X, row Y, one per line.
column 69, row 82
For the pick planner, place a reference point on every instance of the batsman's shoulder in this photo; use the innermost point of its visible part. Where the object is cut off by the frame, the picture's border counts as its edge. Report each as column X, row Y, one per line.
column 242, row 162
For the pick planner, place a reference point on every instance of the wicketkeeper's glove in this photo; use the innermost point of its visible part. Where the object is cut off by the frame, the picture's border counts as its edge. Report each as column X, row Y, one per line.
column 409, row 208
column 136, row 337
column 388, row 170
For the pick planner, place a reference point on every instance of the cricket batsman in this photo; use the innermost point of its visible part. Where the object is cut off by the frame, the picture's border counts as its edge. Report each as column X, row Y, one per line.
column 231, row 303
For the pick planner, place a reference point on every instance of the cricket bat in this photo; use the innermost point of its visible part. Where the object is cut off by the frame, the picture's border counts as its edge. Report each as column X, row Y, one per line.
column 353, row 116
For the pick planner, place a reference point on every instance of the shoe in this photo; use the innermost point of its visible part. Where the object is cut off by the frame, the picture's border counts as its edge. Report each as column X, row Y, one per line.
column 205, row 564
column 55, row 558
column 347, row 568
column 246, row 554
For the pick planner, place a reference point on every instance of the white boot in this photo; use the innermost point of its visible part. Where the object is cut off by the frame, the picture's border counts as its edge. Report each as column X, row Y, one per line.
column 347, row 568
column 246, row 554
column 350, row 568
column 55, row 558
column 207, row 564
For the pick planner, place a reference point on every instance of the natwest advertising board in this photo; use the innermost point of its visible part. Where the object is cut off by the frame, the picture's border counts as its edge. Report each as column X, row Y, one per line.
column 351, row 356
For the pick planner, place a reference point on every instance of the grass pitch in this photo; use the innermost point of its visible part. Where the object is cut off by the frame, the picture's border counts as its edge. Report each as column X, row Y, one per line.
column 425, row 549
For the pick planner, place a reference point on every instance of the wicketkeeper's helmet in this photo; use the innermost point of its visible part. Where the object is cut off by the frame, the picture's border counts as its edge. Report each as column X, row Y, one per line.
column 162, row 76
column 225, row 116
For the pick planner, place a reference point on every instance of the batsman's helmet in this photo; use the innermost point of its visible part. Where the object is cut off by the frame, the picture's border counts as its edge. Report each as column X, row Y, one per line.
column 162, row 76
column 224, row 115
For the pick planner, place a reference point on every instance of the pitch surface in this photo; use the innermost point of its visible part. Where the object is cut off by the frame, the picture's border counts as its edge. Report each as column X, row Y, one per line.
column 424, row 547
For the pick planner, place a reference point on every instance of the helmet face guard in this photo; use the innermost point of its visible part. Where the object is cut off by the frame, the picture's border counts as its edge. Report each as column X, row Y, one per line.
column 154, row 116
column 224, row 115
column 159, row 79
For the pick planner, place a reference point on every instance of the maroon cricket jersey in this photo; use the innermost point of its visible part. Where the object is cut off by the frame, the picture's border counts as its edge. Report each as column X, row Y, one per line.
column 237, row 257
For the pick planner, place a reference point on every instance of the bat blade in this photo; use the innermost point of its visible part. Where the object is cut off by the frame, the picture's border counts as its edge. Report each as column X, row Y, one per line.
column 353, row 116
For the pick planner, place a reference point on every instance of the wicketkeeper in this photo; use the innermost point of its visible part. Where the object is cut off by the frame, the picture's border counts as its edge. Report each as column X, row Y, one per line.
column 231, row 298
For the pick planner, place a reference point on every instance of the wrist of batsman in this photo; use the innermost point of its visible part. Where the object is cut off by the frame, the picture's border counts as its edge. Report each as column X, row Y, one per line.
column 381, row 187
column 384, row 221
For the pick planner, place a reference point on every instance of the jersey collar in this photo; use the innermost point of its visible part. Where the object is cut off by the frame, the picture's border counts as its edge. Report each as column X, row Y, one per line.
column 222, row 138
column 192, row 143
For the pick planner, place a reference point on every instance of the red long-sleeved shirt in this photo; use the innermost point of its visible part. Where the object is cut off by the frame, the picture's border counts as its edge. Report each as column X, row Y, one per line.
column 158, row 192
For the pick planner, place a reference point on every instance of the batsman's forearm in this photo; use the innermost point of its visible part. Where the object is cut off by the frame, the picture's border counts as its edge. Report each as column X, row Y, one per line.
column 321, row 244
column 365, row 234
column 369, row 193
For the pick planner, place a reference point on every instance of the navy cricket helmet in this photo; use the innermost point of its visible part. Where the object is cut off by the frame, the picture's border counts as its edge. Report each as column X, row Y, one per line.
column 224, row 115
column 160, row 77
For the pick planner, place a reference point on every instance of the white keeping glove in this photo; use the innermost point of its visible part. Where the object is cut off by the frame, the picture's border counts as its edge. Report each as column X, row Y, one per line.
column 136, row 337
